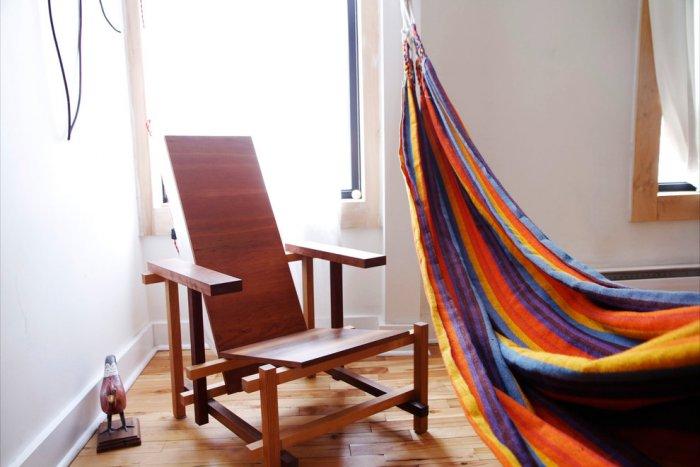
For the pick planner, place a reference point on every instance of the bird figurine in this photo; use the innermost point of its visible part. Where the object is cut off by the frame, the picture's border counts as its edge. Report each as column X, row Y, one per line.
column 112, row 394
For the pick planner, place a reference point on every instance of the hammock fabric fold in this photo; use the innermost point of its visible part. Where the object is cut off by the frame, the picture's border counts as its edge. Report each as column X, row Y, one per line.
column 552, row 362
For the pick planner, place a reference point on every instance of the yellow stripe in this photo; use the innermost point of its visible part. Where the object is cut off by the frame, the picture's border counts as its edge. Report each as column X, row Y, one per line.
column 415, row 145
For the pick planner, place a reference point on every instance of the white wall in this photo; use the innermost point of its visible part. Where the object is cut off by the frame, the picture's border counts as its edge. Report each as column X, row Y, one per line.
column 546, row 88
column 70, row 291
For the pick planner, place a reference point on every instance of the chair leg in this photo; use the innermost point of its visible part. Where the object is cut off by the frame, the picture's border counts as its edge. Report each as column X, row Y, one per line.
column 307, row 286
column 177, row 382
column 199, row 386
column 420, row 373
column 270, row 416
column 336, row 294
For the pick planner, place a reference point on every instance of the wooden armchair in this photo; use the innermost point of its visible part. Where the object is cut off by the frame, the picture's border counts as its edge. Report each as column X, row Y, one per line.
column 260, row 334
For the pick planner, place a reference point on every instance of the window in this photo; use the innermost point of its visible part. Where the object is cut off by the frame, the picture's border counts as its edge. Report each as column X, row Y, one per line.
column 663, row 188
column 674, row 30
column 286, row 73
column 674, row 174
column 318, row 118
column 352, row 188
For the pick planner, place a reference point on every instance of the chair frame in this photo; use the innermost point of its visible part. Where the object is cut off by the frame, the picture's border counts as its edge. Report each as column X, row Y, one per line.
column 271, row 442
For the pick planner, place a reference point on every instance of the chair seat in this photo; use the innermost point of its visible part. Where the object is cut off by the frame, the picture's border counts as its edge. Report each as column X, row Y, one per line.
column 311, row 346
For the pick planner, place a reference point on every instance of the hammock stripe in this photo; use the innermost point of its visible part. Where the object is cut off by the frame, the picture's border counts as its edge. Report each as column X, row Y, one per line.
column 552, row 362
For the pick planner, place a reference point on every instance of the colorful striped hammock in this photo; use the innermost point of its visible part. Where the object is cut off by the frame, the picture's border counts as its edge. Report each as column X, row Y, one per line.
column 553, row 363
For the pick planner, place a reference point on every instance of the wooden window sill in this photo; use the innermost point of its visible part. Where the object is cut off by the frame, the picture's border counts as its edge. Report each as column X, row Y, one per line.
column 678, row 206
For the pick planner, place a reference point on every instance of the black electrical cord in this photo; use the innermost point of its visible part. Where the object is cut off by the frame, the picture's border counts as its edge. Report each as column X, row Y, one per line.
column 63, row 71
column 80, row 65
column 71, row 117
column 107, row 19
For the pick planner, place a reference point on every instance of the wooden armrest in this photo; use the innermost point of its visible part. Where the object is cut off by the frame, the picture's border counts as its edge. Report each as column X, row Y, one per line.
column 291, row 257
column 195, row 277
column 150, row 278
column 337, row 254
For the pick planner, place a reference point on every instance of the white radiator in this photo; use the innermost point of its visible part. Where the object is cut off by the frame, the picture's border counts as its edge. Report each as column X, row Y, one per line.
column 682, row 277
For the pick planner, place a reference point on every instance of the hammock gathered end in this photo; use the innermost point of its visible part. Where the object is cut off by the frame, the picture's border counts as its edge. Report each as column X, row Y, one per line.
column 553, row 363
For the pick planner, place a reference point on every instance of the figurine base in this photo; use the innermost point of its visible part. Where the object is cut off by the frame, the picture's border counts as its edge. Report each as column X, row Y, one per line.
column 119, row 438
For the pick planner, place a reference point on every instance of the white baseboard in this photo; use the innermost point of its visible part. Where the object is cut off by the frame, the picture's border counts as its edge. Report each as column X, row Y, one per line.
column 74, row 426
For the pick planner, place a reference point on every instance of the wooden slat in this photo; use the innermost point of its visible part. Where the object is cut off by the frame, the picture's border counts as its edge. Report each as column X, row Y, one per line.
column 172, row 309
column 337, row 254
column 420, row 373
column 311, row 346
column 369, row 386
column 307, row 286
column 251, row 383
column 336, row 286
column 645, row 177
column 233, row 422
column 212, row 367
column 150, row 278
column 213, row 390
column 291, row 257
column 339, row 419
column 270, row 443
column 195, row 277
column 244, row 430
column 374, row 388
column 199, row 386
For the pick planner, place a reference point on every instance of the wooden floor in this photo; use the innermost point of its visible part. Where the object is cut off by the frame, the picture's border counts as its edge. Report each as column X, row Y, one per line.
column 383, row 439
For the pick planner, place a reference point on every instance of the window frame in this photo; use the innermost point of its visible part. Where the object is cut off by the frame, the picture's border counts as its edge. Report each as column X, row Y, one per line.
column 648, row 203
column 354, row 96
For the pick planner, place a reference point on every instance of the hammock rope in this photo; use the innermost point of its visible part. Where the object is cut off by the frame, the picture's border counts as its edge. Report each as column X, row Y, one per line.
column 552, row 362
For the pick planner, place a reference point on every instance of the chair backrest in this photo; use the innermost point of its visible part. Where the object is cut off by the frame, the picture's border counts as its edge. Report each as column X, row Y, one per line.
column 232, row 230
